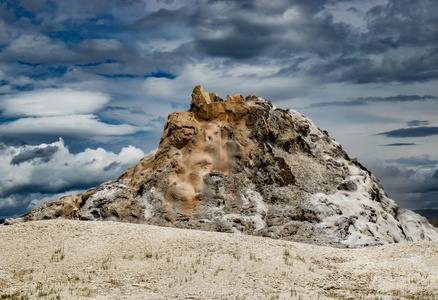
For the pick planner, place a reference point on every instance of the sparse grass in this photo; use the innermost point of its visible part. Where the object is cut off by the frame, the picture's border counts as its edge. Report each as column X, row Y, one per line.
column 58, row 255
column 253, row 257
column 413, row 280
column 115, row 282
column 299, row 257
column 236, row 256
column 15, row 296
column 23, row 272
column 106, row 263
column 128, row 257
column 217, row 271
column 286, row 256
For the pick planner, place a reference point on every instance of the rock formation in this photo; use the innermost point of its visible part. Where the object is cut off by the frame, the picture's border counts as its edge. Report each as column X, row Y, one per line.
column 244, row 166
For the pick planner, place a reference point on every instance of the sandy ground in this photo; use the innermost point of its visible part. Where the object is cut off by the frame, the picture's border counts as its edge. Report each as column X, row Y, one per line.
column 107, row 260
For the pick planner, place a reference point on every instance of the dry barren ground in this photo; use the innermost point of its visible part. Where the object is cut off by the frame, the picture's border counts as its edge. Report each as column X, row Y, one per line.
column 106, row 260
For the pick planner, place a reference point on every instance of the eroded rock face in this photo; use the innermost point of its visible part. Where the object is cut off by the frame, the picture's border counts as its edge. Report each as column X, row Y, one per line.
column 244, row 166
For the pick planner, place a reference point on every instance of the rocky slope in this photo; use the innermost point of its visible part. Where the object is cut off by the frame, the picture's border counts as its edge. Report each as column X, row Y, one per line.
column 244, row 166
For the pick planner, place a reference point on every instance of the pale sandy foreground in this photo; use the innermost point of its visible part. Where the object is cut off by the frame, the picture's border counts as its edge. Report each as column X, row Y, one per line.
column 108, row 260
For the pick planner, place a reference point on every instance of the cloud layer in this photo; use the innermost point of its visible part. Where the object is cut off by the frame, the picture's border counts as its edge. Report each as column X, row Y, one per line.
column 52, row 102
column 59, row 112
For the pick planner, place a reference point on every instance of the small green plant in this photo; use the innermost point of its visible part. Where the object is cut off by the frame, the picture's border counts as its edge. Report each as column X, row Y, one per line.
column 236, row 256
column 148, row 254
column 14, row 296
column 42, row 294
column 217, row 271
column 414, row 280
column 115, row 282
column 106, row 264
column 128, row 257
column 58, row 255
column 286, row 256
column 300, row 258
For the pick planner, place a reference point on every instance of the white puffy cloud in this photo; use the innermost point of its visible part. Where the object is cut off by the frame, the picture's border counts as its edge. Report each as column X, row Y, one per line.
column 30, row 175
column 52, row 102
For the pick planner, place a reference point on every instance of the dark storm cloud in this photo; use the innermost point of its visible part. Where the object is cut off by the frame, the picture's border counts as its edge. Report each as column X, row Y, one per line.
column 93, row 35
column 44, row 155
column 151, row 75
column 422, row 131
column 414, row 123
column 163, row 17
column 366, row 100
column 400, row 144
column 414, row 69
column 410, row 23
column 359, row 67
column 274, row 31
column 12, row 141
column 247, row 29
column 399, row 45
column 113, row 165
column 422, row 160
column 287, row 33
column 410, row 184
column 398, row 98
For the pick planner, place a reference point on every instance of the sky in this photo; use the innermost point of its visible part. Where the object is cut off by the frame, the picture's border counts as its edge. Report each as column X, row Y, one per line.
column 86, row 85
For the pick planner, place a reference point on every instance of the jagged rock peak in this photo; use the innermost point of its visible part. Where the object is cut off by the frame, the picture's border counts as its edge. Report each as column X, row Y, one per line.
column 244, row 166
column 207, row 105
